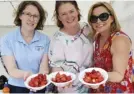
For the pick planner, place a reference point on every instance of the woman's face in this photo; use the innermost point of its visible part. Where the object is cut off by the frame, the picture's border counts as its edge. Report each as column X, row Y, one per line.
column 68, row 15
column 101, row 19
column 30, row 17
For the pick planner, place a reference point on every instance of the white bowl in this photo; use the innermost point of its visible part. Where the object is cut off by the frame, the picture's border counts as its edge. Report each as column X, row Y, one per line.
column 102, row 71
column 62, row 84
column 35, row 88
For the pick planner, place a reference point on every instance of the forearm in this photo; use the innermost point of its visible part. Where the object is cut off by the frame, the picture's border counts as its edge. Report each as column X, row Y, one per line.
column 54, row 69
column 115, row 76
column 16, row 73
column 44, row 69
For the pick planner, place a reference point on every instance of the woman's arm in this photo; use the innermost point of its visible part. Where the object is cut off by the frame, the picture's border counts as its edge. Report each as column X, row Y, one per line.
column 9, row 59
column 56, row 55
column 54, row 69
column 120, row 50
column 86, row 28
column 89, row 60
column 44, row 67
column 12, row 69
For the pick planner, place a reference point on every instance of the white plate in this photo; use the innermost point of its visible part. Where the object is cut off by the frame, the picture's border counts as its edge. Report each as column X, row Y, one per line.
column 35, row 88
column 102, row 71
column 62, row 84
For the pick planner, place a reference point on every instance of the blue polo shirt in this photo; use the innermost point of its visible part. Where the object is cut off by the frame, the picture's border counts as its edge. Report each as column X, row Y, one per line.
column 27, row 56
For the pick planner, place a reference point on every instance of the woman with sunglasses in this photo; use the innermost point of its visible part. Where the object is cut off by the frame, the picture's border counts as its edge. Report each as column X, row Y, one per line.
column 24, row 50
column 112, row 49
column 70, row 50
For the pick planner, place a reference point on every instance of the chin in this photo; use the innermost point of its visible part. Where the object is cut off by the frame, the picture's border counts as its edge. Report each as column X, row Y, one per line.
column 100, row 30
column 31, row 27
column 74, row 24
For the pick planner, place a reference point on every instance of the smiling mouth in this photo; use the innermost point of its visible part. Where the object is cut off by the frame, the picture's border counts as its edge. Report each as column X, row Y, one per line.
column 70, row 21
column 30, row 24
column 99, row 26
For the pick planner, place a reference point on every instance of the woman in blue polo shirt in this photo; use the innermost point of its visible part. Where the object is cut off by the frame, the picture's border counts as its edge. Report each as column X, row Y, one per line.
column 24, row 50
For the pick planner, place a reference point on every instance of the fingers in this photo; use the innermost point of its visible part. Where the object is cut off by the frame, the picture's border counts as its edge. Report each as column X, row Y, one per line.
column 26, row 75
column 95, row 87
column 87, row 86
column 31, row 90
column 68, row 86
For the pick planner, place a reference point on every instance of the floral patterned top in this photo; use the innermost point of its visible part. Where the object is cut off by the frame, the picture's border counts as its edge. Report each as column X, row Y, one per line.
column 103, row 60
column 72, row 54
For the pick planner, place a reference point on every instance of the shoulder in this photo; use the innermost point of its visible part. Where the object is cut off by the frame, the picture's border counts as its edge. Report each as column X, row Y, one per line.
column 43, row 36
column 120, row 40
column 121, row 37
column 59, row 38
column 58, row 35
column 85, row 28
column 121, row 43
column 10, row 36
column 83, row 24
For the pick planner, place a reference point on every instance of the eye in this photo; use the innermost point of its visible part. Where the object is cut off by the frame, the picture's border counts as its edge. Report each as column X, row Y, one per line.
column 93, row 19
column 29, row 14
column 63, row 14
column 104, row 16
column 72, row 11
column 35, row 16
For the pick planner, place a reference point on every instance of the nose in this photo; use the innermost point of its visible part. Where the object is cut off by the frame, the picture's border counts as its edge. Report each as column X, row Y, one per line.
column 68, row 16
column 98, row 20
column 31, row 18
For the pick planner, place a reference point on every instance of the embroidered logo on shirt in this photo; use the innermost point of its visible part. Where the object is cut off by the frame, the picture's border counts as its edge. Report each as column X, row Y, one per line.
column 39, row 48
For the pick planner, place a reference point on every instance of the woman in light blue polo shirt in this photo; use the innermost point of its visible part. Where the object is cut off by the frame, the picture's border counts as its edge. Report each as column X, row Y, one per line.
column 24, row 50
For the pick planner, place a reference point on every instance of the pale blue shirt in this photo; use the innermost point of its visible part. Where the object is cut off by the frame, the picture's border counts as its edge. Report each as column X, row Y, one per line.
column 27, row 56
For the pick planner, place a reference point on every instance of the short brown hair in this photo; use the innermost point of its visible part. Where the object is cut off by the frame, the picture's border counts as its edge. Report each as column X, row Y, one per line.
column 22, row 6
column 115, row 26
column 56, row 14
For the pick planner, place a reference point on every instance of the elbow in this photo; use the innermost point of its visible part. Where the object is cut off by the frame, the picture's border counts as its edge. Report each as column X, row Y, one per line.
column 46, row 72
column 119, row 79
column 11, row 73
column 120, row 76
column 115, row 77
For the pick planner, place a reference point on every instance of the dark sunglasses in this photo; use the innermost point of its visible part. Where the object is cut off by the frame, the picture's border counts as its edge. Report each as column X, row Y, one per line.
column 102, row 17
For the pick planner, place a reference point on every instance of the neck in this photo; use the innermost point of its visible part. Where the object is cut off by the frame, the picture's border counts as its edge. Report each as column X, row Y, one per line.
column 105, row 34
column 71, row 30
column 27, row 33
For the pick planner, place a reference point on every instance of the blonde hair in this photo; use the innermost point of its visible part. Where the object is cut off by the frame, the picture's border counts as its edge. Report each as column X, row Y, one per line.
column 115, row 26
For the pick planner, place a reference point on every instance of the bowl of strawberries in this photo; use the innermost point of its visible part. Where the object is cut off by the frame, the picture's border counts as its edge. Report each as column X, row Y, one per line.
column 37, row 81
column 62, row 78
column 93, row 76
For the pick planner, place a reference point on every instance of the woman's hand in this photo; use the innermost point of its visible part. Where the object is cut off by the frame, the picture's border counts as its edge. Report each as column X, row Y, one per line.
column 27, row 74
column 93, row 87
column 67, row 86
